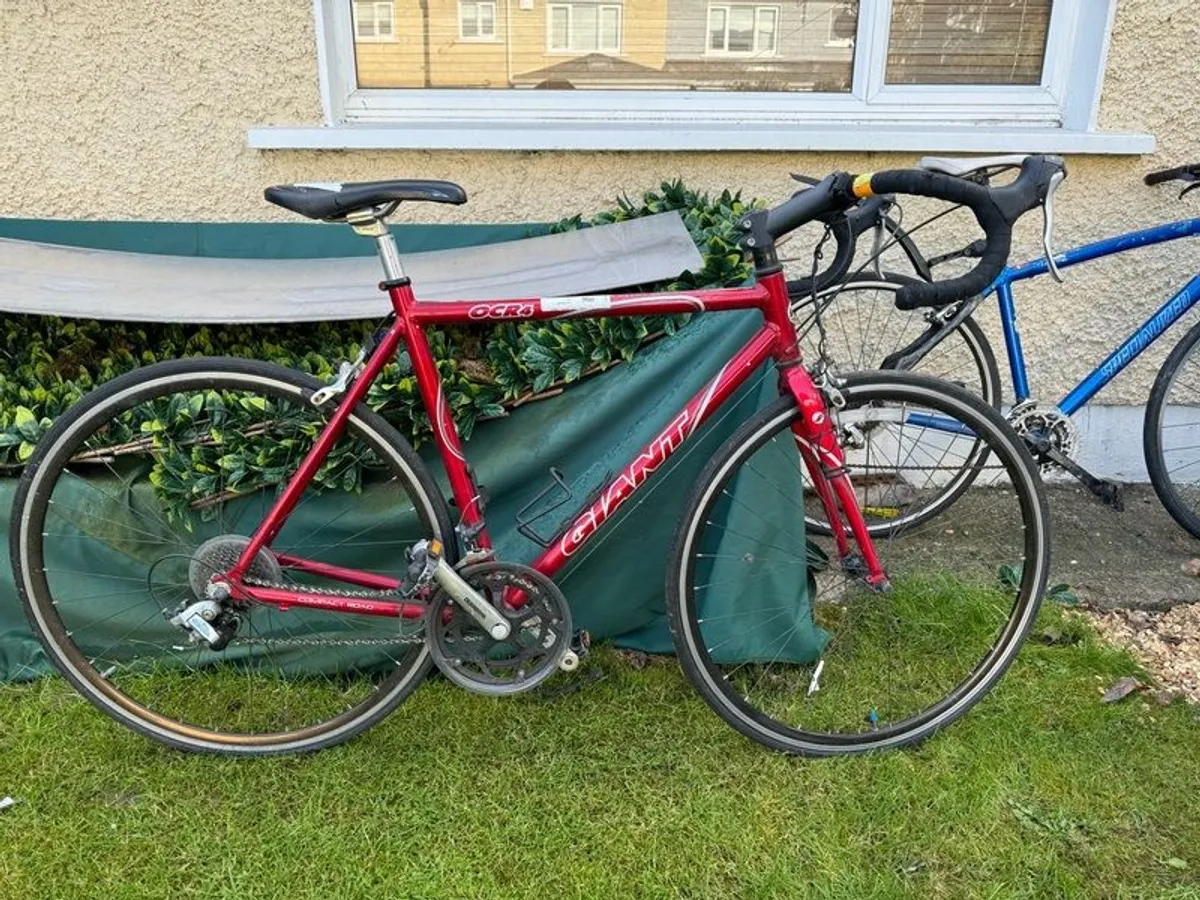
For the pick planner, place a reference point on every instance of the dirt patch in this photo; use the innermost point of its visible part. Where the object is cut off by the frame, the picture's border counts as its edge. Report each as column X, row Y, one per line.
column 1126, row 560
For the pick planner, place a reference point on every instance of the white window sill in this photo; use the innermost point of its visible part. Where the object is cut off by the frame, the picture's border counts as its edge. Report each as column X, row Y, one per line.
column 584, row 135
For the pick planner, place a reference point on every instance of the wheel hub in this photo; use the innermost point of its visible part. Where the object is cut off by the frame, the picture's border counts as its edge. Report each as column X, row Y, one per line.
column 218, row 555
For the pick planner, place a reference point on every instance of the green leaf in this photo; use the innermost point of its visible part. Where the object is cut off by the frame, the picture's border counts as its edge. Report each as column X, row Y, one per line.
column 26, row 423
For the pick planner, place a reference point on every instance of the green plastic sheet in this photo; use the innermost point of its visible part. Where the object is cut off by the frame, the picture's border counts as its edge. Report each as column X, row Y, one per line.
column 615, row 585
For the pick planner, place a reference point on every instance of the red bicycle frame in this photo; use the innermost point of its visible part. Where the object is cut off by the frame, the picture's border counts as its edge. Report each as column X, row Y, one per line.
column 813, row 430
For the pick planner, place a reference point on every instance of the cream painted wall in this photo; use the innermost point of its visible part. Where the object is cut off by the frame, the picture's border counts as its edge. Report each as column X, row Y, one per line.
column 129, row 109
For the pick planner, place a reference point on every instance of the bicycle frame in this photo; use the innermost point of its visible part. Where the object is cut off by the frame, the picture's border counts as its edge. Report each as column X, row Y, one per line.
column 1133, row 345
column 776, row 339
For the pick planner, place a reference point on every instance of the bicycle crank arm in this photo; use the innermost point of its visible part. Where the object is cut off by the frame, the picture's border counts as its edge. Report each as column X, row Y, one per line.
column 470, row 600
column 1108, row 492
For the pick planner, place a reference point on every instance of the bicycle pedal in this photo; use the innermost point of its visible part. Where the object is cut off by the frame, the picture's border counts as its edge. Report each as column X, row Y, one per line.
column 1110, row 494
column 590, row 676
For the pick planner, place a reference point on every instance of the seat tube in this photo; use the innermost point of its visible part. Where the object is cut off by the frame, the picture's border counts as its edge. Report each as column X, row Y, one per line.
column 445, row 435
column 1012, row 340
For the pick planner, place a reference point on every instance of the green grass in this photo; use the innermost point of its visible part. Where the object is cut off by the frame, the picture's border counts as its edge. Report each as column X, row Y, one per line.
column 628, row 788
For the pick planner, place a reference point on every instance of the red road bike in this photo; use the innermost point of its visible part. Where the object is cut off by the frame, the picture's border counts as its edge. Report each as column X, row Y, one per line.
column 306, row 593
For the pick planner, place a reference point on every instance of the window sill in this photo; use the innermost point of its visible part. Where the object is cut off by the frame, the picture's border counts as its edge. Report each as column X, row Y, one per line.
column 652, row 136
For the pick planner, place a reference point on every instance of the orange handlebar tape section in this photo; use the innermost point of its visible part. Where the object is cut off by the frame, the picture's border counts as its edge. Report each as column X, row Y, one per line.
column 862, row 185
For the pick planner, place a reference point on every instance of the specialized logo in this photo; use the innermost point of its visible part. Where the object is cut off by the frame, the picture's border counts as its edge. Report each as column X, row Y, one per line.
column 500, row 311
column 1140, row 340
column 646, row 463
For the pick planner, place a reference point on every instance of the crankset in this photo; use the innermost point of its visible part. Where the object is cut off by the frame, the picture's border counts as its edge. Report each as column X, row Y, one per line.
column 1054, row 441
column 538, row 640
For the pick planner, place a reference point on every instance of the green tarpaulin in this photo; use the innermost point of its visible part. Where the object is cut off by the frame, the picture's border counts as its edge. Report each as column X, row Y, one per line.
column 590, row 431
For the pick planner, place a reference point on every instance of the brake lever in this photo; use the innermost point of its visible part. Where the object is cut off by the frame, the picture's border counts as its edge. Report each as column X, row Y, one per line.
column 1189, row 189
column 1048, row 224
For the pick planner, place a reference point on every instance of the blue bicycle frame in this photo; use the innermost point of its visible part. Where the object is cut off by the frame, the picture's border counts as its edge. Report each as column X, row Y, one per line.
column 1132, row 346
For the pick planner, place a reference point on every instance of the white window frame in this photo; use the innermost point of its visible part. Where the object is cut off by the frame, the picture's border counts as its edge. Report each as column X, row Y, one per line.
column 376, row 6
column 571, row 49
column 1058, row 115
column 479, row 37
column 754, row 50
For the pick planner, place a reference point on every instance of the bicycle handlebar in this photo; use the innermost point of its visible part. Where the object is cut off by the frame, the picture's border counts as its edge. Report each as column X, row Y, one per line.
column 995, row 209
column 1186, row 173
column 845, row 228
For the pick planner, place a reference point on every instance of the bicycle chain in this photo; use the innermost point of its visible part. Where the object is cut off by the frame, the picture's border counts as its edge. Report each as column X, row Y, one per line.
column 416, row 638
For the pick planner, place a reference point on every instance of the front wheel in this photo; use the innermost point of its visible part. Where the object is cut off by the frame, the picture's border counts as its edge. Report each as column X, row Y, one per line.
column 789, row 644
column 1171, row 433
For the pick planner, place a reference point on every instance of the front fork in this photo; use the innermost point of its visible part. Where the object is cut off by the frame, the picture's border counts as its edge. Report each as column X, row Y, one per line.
column 826, row 464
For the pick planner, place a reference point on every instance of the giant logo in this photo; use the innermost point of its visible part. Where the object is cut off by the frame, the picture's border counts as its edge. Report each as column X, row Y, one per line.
column 646, row 463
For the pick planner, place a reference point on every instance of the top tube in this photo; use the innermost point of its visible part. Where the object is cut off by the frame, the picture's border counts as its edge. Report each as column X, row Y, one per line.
column 1131, row 240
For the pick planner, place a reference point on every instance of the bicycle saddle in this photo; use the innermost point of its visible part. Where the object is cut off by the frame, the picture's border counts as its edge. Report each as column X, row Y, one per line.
column 959, row 166
column 334, row 201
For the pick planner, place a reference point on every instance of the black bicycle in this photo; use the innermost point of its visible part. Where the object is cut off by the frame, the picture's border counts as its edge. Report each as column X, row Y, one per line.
column 893, row 321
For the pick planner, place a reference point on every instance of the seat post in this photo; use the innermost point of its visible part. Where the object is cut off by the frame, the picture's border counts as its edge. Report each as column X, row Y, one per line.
column 368, row 224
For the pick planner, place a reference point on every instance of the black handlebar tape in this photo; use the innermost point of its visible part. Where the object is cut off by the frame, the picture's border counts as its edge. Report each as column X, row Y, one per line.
column 1170, row 174
column 981, row 201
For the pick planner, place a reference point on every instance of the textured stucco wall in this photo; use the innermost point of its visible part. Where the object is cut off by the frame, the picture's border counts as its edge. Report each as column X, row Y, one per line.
column 139, row 110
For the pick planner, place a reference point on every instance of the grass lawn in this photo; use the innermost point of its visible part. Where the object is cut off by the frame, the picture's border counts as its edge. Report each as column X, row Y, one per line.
column 629, row 787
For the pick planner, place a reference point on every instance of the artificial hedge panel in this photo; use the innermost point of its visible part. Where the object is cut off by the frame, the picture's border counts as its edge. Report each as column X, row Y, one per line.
column 50, row 363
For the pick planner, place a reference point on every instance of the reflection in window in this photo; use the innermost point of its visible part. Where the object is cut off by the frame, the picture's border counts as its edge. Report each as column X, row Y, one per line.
column 743, row 29
column 375, row 20
column 672, row 45
column 477, row 20
column 985, row 42
column 584, row 28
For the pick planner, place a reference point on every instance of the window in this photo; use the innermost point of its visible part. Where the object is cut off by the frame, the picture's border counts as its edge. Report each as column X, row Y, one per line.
column 583, row 28
column 374, row 21
column 744, row 30
column 476, row 20
column 901, row 75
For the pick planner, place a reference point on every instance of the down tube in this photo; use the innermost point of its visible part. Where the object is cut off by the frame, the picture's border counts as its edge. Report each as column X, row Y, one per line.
column 681, row 427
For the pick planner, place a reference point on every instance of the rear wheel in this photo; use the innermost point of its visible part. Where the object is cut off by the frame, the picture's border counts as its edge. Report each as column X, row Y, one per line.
column 1171, row 433
column 153, row 484
column 790, row 646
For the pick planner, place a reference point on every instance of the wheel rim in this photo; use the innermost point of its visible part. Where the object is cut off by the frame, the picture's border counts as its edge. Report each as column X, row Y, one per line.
column 288, row 677
column 886, row 668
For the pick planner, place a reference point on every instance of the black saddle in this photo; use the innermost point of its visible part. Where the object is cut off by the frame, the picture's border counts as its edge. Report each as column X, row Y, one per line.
column 335, row 201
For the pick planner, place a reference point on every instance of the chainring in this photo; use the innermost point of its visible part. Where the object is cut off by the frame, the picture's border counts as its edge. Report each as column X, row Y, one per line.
column 1029, row 419
column 539, row 639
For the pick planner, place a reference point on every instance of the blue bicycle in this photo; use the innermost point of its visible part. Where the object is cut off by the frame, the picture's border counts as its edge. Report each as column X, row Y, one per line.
column 875, row 319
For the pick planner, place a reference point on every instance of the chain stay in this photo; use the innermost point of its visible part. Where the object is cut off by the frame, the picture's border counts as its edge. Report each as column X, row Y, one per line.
column 417, row 637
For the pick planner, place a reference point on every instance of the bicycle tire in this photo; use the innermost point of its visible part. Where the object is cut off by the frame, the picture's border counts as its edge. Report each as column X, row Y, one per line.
column 729, row 697
column 28, row 549
column 1171, row 491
